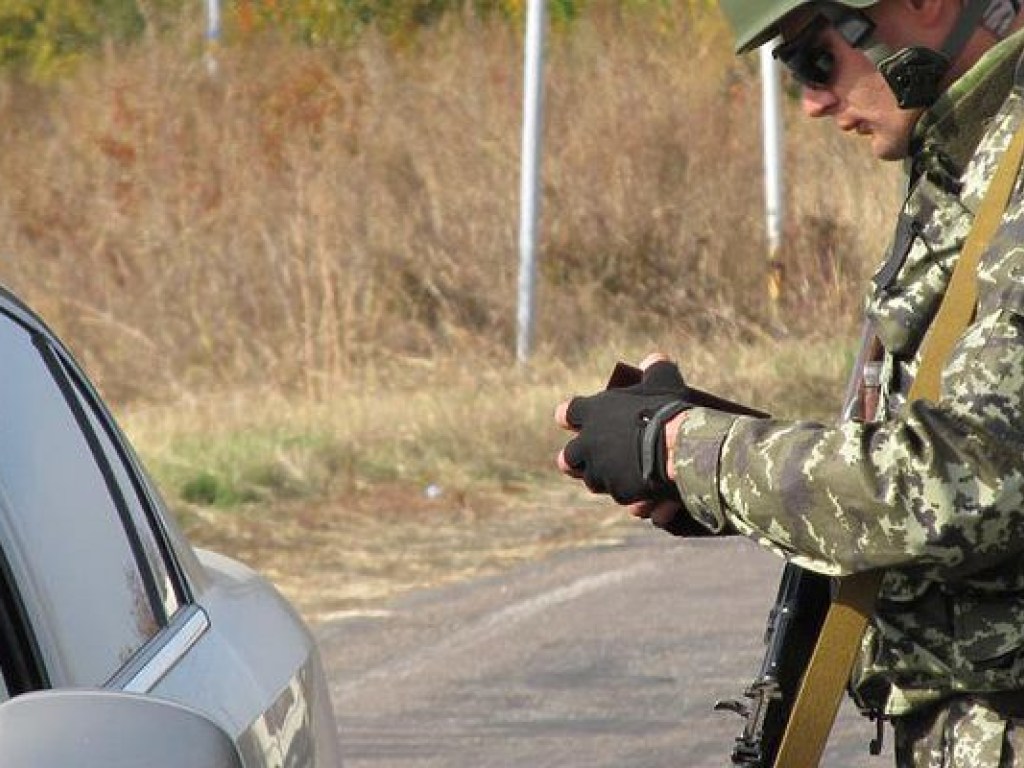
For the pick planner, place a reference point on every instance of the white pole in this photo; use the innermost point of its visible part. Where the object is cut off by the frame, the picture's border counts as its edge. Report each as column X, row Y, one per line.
column 212, row 34
column 771, row 108
column 529, row 212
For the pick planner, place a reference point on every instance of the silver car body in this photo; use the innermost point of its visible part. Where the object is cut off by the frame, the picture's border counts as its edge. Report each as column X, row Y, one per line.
column 100, row 589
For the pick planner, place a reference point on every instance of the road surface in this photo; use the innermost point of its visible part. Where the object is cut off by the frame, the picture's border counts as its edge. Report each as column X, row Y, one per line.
column 609, row 656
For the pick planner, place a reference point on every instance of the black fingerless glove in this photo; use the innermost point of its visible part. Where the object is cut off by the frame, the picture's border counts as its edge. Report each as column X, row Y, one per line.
column 620, row 448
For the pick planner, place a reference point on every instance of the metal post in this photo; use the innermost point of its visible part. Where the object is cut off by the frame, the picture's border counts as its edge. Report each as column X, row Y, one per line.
column 771, row 108
column 529, row 212
column 212, row 34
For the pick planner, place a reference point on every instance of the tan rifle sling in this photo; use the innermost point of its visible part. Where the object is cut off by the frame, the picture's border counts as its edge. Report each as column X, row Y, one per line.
column 828, row 671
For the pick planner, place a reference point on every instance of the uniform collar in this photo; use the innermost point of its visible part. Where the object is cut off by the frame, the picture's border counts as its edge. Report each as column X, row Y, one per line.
column 947, row 134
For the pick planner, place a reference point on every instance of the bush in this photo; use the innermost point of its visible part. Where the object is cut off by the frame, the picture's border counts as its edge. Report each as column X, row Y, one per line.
column 48, row 37
column 341, row 22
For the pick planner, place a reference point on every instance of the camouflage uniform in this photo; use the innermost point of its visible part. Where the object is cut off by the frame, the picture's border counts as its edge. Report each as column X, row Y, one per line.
column 933, row 493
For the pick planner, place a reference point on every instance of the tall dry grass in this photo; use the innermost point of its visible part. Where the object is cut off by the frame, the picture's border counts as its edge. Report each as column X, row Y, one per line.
column 305, row 212
column 338, row 229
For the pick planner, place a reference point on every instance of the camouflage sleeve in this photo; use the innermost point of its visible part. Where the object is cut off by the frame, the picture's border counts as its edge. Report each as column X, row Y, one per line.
column 939, row 486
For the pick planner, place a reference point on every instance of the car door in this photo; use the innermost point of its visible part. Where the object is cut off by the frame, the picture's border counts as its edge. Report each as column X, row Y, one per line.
column 98, row 589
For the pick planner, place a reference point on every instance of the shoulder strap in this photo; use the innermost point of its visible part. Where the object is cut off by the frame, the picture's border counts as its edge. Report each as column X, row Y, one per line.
column 958, row 304
column 828, row 671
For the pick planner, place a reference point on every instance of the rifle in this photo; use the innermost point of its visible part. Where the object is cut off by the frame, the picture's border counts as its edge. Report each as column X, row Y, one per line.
column 794, row 623
column 796, row 619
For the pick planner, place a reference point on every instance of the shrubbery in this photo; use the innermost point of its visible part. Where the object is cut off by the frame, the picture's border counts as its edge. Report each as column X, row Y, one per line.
column 341, row 21
column 47, row 37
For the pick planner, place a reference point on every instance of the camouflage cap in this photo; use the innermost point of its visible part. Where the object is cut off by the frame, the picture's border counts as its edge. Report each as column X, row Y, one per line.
column 755, row 22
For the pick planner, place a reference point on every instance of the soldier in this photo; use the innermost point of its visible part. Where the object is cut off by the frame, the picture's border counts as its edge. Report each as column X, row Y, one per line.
column 931, row 493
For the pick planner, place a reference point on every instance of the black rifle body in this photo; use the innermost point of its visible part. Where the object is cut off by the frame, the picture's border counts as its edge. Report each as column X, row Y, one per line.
column 794, row 624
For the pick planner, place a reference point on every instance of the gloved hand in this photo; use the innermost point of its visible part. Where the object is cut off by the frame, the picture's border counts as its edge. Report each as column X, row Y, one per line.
column 620, row 446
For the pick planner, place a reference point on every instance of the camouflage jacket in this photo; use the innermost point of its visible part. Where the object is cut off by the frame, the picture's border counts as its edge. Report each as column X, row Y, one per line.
column 931, row 492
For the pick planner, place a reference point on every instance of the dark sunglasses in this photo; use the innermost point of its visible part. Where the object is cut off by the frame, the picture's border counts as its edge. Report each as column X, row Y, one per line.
column 811, row 62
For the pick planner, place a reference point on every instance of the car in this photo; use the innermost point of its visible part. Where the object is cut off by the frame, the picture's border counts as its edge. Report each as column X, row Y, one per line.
column 120, row 643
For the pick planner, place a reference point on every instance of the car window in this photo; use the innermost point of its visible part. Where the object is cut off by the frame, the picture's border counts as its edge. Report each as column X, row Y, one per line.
column 150, row 537
column 67, row 530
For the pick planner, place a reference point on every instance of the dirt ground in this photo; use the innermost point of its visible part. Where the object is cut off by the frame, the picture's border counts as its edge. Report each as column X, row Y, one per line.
column 349, row 556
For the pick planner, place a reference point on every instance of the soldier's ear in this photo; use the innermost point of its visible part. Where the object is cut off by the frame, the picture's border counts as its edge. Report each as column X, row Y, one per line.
column 911, row 23
column 930, row 13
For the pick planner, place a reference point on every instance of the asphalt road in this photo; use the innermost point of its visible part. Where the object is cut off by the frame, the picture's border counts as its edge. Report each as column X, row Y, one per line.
column 598, row 657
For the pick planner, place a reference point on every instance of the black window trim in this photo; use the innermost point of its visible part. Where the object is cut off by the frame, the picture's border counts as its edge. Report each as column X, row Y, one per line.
column 134, row 470
column 52, row 362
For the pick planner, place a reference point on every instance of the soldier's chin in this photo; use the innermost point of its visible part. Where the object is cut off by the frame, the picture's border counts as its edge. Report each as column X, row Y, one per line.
column 886, row 148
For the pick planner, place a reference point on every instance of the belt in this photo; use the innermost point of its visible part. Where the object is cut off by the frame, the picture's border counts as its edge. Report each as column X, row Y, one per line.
column 1006, row 703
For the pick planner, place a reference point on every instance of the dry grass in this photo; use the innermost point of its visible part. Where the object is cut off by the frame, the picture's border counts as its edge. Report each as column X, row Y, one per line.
column 428, row 474
column 309, row 212
column 297, row 279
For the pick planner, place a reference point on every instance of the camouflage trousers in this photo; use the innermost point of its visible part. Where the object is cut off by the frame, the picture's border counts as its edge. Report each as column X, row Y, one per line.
column 960, row 733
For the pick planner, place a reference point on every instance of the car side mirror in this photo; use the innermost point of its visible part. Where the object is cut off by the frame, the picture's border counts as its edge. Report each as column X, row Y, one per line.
column 109, row 729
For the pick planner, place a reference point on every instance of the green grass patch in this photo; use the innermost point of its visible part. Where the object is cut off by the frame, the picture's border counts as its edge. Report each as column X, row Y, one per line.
column 459, row 427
